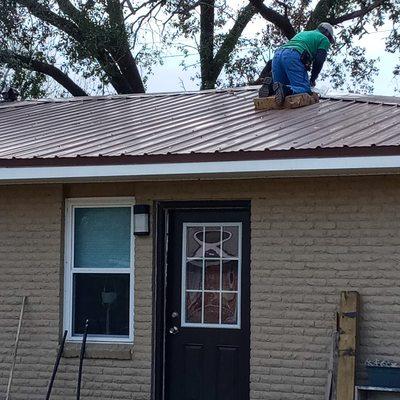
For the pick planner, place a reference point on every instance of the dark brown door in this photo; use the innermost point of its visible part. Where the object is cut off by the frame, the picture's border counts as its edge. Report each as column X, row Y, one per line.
column 207, row 326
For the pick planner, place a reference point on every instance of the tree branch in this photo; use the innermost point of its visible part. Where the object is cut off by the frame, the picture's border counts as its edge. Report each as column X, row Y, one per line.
column 356, row 14
column 43, row 13
column 229, row 43
column 320, row 13
column 71, row 11
column 119, row 47
column 282, row 22
column 13, row 60
column 125, row 78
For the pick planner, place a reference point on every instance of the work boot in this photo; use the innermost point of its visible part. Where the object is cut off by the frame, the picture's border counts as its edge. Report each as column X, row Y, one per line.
column 281, row 91
column 266, row 89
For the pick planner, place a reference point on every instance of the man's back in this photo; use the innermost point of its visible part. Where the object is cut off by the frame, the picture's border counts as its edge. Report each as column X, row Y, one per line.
column 310, row 41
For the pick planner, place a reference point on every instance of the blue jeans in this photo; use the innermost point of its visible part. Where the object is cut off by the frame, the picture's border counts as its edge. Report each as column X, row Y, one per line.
column 288, row 69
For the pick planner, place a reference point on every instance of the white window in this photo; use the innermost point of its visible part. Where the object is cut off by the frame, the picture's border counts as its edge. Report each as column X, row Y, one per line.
column 211, row 275
column 99, row 270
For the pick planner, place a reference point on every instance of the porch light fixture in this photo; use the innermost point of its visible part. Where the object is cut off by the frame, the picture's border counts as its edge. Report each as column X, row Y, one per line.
column 141, row 219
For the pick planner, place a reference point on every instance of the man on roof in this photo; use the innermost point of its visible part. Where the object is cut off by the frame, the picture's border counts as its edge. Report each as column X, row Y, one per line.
column 306, row 51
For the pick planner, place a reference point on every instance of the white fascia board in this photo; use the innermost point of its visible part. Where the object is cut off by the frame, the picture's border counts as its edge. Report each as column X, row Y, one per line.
column 221, row 169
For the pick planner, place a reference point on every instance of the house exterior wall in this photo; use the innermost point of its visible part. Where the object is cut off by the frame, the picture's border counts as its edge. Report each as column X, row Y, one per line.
column 311, row 239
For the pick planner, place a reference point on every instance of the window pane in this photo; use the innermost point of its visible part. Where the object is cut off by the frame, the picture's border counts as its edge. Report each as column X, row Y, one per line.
column 212, row 241
column 212, row 275
column 230, row 241
column 194, row 275
column 193, row 307
column 211, row 308
column 104, row 300
column 102, row 237
column 229, row 308
column 194, row 242
column 230, row 275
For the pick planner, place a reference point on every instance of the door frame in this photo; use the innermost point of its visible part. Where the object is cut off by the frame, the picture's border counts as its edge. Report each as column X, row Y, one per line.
column 160, row 242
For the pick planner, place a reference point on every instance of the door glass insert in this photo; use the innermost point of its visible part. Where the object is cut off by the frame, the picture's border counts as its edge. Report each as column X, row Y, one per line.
column 230, row 275
column 194, row 275
column 212, row 271
column 211, row 307
column 193, row 307
column 211, row 265
column 229, row 308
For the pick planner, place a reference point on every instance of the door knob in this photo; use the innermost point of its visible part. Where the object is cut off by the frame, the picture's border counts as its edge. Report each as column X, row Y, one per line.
column 173, row 330
column 175, row 314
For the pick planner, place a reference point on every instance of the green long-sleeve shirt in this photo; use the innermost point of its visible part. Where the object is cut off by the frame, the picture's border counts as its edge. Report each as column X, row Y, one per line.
column 310, row 41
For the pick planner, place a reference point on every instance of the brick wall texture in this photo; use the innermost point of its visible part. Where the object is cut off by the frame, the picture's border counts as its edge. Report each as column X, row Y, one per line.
column 311, row 239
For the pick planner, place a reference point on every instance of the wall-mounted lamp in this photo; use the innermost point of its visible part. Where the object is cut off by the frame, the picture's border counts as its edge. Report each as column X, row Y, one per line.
column 141, row 219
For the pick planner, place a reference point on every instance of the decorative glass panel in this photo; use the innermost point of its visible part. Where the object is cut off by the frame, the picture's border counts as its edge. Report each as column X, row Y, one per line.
column 212, row 277
column 102, row 237
column 193, row 307
column 211, row 308
column 230, row 241
column 229, row 308
column 104, row 300
column 230, row 275
column 211, row 289
column 194, row 243
column 194, row 275
column 212, row 242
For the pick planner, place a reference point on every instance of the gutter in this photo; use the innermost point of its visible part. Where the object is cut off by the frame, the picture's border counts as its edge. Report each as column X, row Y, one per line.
column 295, row 167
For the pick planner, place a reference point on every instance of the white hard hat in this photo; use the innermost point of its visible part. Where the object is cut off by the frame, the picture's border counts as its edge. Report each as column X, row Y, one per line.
column 327, row 28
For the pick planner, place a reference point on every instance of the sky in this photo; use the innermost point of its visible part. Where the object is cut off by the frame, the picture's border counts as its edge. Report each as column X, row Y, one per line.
column 171, row 77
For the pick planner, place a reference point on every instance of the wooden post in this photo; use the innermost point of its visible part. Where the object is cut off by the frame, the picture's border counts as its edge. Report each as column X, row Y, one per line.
column 10, row 378
column 348, row 324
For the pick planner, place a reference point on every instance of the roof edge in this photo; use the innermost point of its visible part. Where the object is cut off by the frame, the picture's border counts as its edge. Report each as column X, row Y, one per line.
column 372, row 99
column 300, row 167
column 326, row 153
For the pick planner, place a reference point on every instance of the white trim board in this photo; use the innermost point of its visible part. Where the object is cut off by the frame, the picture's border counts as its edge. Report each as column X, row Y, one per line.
column 222, row 169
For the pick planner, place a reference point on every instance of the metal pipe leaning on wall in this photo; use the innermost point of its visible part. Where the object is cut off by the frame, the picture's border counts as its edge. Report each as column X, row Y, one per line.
column 57, row 363
column 10, row 378
column 81, row 357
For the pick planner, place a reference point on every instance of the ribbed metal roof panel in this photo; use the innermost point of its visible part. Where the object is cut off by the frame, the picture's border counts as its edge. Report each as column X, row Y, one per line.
column 186, row 123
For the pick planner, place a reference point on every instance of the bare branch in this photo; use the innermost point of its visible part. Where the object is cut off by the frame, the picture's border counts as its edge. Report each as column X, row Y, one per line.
column 282, row 22
column 13, row 60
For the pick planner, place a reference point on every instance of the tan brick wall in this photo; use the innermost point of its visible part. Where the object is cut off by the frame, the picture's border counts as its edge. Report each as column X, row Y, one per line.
column 29, row 266
column 311, row 238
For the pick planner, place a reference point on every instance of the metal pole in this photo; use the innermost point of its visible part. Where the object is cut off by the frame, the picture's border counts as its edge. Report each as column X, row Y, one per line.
column 15, row 348
column 81, row 357
column 57, row 363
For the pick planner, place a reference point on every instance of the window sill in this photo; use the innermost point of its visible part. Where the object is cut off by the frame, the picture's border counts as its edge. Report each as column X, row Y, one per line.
column 108, row 351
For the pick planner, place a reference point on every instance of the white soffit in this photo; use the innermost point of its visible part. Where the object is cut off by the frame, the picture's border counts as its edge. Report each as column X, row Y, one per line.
column 207, row 170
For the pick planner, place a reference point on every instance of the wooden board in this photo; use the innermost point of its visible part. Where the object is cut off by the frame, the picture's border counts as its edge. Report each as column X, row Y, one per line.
column 293, row 101
column 348, row 325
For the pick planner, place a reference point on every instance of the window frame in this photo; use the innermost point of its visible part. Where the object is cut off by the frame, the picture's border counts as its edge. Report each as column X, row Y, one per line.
column 95, row 202
column 220, row 325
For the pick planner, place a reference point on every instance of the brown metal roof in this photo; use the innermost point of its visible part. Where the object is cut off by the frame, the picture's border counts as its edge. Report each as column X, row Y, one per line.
column 192, row 126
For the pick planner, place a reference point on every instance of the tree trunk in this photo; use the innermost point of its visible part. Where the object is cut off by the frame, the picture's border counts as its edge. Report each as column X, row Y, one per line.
column 207, row 17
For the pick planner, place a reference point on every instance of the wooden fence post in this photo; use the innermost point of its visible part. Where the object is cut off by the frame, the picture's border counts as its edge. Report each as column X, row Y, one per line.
column 348, row 326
